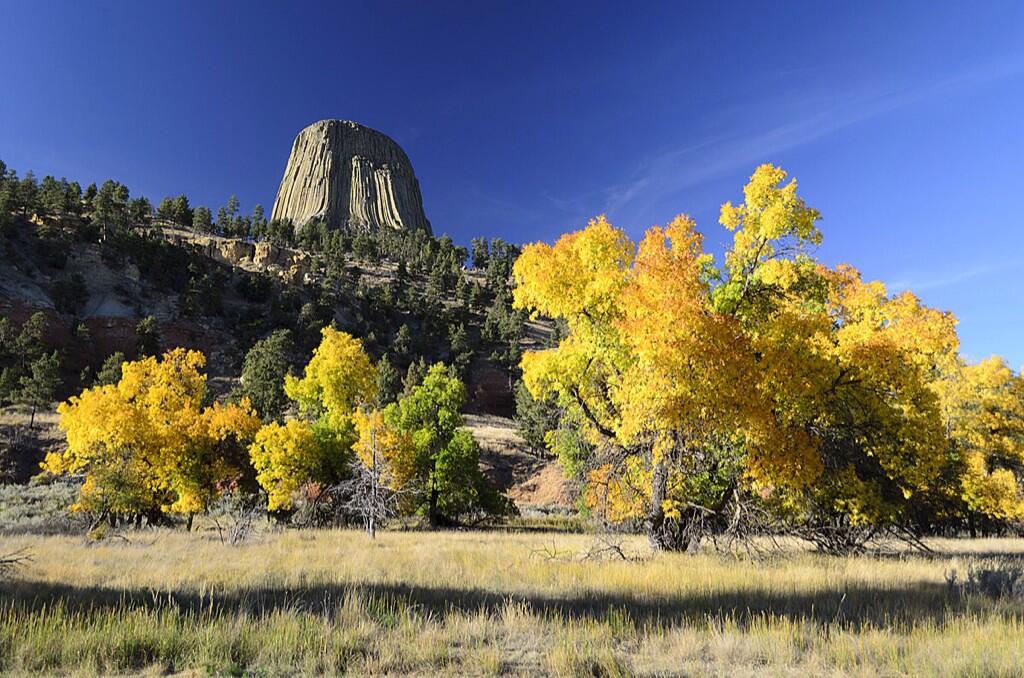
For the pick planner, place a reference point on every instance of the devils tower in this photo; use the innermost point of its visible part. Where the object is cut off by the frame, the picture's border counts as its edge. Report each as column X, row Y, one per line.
column 351, row 177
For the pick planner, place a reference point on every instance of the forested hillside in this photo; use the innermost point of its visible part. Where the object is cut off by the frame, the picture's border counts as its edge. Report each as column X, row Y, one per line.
column 91, row 278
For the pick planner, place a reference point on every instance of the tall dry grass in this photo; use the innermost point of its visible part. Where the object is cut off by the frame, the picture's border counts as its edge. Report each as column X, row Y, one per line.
column 488, row 603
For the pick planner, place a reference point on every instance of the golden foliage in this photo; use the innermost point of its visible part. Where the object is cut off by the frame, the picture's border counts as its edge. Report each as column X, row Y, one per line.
column 147, row 443
column 394, row 450
column 338, row 378
column 803, row 367
column 770, row 228
column 286, row 456
column 984, row 409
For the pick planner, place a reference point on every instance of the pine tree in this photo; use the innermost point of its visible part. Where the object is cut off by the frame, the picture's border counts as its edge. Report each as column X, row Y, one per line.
column 389, row 381
column 147, row 337
column 40, row 385
column 182, row 211
column 478, row 246
column 263, row 372
column 201, row 220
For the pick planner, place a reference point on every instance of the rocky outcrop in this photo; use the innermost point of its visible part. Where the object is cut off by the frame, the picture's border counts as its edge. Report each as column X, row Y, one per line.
column 234, row 251
column 291, row 266
column 351, row 177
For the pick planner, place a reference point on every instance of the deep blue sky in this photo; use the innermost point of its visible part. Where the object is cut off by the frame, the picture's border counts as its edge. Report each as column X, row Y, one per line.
column 903, row 121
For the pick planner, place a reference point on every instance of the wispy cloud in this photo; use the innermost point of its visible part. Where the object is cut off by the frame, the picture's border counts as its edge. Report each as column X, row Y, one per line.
column 690, row 164
column 930, row 282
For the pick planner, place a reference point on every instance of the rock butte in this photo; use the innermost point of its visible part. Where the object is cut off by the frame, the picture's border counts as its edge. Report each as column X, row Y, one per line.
column 350, row 177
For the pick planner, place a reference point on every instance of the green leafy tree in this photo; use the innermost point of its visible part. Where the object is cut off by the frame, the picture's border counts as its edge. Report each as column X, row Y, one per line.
column 463, row 289
column 461, row 350
column 480, row 252
column 535, row 419
column 165, row 210
column 110, row 370
column 6, row 205
column 312, row 235
column 28, row 194
column 8, row 358
column 263, row 372
column 39, row 386
column 401, row 278
column 29, row 345
column 203, row 291
column 447, row 479
column 18, row 350
column 499, row 265
column 73, row 198
column 232, row 206
column 51, row 195
column 223, row 225
column 110, row 207
column 202, row 221
column 403, row 343
column 89, row 197
column 182, row 211
column 258, row 220
column 414, row 376
column 140, row 211
column 438, row 281
column 389, row 381
column 281, row 232
column 70, row 294
column 365, row 247
column 147, row 337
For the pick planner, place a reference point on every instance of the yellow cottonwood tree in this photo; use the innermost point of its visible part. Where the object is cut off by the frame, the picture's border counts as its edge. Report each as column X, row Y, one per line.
column 984, row 408
column 846, row 368
column 774, row 374
column 856, row 376
column 774, row 234
column 286, row 456
column 655, row 373
column 147, row 445
column 338, row 379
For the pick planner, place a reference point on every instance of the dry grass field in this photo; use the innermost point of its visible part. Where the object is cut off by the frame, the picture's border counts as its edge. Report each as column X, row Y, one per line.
column 488, row 603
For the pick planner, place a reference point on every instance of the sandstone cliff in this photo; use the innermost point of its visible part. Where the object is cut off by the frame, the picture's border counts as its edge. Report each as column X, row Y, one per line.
column 351, row 177
column 291, row 266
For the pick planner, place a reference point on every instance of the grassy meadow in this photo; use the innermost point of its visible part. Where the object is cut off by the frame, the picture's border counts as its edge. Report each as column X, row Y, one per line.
column 490, row 603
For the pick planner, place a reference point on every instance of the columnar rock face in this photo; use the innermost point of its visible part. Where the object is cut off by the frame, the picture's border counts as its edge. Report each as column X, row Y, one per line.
column 351, row 177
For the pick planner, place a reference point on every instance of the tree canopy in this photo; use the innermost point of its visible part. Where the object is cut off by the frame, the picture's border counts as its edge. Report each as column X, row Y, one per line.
column 772, row 377
column 432, row 456
column 147, row 444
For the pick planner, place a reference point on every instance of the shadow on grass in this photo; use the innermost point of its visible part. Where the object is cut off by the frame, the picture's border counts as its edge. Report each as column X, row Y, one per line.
column 853, row 607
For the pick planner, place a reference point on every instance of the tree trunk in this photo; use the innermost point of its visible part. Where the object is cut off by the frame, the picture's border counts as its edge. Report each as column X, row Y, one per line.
column 664, row 533
column 432, row 515
column 656, row 515
column 372, row 525
column 188, row 525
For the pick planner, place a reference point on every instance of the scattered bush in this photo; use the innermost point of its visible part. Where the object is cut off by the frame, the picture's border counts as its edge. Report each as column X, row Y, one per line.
column 40, row 508
column 1003, row 580
column 69, row 294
